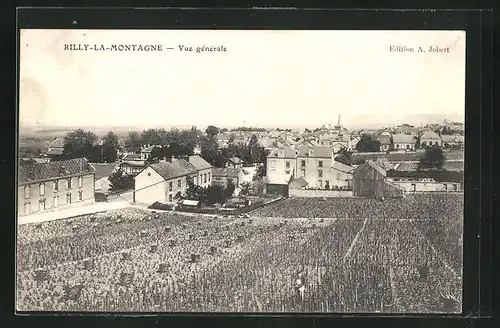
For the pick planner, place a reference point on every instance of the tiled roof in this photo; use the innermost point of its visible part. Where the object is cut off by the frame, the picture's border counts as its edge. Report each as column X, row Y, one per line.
column 177, row 168
column 285, row 152
column 236, row 160
column 403, row 138
column 413, row 166
column 103, row 170
column 134, row 163
column 132, row 157
column 57, row 143
column 55, row 151
column 320, row 152
column 226, row 172
column 341, row 167
column 199, row 163
column 148, row 149
column 384, row 140
column 54, row 170
column 430, row 135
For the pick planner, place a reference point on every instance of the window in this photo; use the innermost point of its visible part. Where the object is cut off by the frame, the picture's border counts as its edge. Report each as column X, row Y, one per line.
column 320, row 163
column 68, row 183
column 407, row 146
column 303, row 172
column 80, row 182
column 413, row 187
column 208, row 177
column 179, row 183
column 445, row 186
column 430, row 143
column 320, row 173
column 56, row 185
column 42, row 189
column 56, row 201
column 287, row 165
column 397, row 145
column 68, row 198
column 287, row 172
column 205, row 178
column 27, row 208
column 303, row 163
column 80, row 195
column 27, row 192
column 320, row 183
column 170, row 198
column 170, row 186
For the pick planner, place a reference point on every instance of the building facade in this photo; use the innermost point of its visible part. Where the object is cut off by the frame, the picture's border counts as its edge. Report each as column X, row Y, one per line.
column 430, row 138
column 403, row 142
column 55, row 185
column 226, row 176
column 369, row 180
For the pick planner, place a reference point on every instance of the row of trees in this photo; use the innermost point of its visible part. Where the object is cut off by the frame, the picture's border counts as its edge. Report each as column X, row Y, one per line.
column 80, row 143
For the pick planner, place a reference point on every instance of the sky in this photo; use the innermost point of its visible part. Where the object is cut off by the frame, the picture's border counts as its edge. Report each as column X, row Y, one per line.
column 265, row 78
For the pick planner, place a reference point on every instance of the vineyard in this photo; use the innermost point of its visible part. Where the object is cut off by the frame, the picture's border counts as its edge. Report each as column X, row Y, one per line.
column 357, row 255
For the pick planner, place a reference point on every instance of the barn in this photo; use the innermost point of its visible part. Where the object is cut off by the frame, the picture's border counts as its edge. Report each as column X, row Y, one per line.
column 370, row 180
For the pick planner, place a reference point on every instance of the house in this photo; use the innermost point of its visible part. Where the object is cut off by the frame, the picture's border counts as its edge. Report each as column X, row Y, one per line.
column 235, row 162
column 282, row 161
column 370, row 180
column 278, row 184
column 132, row 164
column 430, row 138
column 229, row 175
column 146, row 151
column 317, row 165
column 163, row 182
column 167, row 181
column 452, row 140
column 403, row 142
column 54, row 185
column 204, row 170
column 413, row 185
column 385, row 143
column 103, row 171
column 56, row 149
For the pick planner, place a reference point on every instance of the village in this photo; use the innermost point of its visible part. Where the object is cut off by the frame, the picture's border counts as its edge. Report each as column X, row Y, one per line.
column 329, row 161
column 243, row 220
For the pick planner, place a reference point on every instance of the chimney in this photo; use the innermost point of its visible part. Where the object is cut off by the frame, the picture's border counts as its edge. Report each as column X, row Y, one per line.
column 311, row 152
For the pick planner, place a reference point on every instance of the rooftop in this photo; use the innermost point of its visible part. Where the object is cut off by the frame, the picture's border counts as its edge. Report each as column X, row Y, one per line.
column 430, row 135
column 103, row 170
column 54, row 170
column 176, row 169
column 318, row 151
column 226, row 172
column 199, row 163
column 403, row 138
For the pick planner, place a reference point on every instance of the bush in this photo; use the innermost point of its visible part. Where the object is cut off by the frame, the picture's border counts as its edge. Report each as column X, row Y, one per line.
column 160, row 206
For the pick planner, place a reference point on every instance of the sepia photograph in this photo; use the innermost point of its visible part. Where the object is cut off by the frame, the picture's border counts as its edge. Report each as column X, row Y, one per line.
column 240, row 171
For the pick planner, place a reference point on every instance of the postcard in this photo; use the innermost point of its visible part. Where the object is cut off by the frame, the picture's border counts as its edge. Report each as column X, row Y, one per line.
column 248, row 171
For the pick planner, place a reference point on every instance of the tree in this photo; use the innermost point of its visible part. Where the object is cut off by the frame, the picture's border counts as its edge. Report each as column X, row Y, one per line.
column 133, row 142
column 215, row 194
column 195, row 192
column 228, row 192
column 110, row 147
column 433, row 159
column 96, row 154
column 209, row 148
column 212, row 131
column 121, row 181
column 367, row 144
column 261, row 170
column 151, row 137
column 344, row 156
column 155, row 155
column 78, row 144
column 245, row 187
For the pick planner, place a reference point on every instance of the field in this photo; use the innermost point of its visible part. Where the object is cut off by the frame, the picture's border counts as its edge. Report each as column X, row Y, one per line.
column 357, row 255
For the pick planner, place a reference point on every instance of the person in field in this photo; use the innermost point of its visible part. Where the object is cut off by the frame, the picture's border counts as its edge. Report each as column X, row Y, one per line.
column 300, row 287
